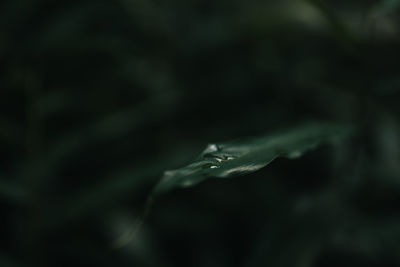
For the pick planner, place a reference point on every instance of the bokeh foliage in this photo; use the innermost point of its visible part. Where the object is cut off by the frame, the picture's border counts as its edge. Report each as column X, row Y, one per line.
column 99, row 98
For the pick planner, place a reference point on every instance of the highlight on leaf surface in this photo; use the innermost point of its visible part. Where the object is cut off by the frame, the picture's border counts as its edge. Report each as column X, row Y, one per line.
column 241, row 157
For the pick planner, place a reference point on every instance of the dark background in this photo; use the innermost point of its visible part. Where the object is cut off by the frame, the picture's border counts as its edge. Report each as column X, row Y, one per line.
column 98, row 98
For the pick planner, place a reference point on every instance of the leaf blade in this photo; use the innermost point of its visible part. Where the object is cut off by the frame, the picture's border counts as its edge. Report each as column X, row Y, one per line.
column 237, row 158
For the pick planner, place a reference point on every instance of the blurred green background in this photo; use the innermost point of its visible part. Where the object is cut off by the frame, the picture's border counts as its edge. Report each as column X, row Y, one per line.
column 98, row 98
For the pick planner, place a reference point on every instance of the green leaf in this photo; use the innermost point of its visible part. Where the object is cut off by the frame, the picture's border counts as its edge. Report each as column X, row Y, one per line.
column 236, row 158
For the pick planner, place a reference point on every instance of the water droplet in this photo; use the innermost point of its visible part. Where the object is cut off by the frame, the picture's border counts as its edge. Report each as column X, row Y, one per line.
column 209, row 166
column 294, row 154
column 219, row 156
column 211, row 148
column 187, row 183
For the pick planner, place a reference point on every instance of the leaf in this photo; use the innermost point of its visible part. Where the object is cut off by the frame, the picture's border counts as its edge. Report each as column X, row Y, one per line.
column 242, row 157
